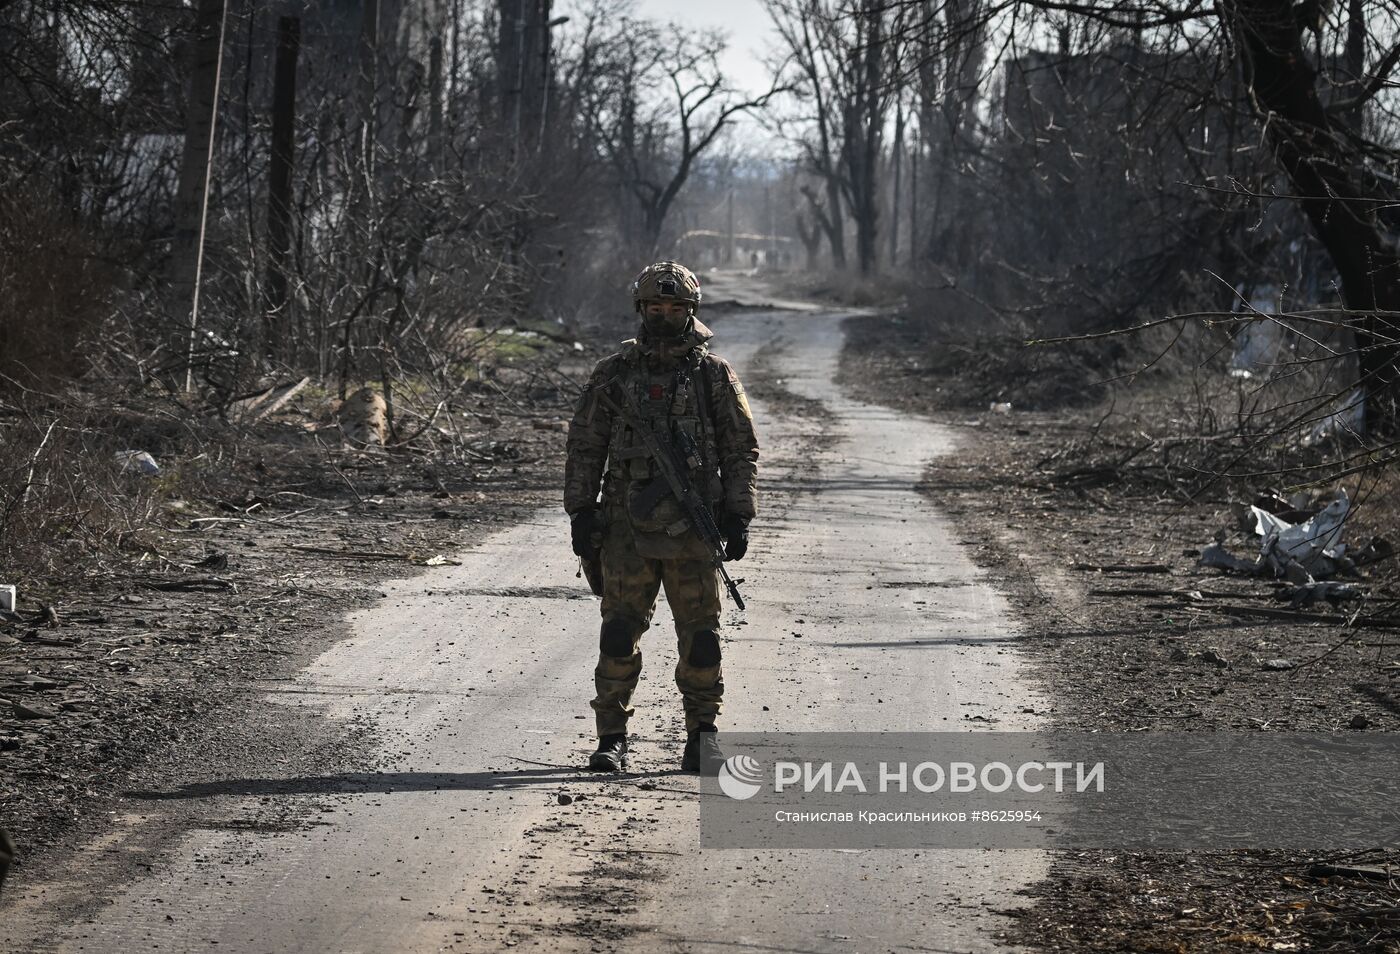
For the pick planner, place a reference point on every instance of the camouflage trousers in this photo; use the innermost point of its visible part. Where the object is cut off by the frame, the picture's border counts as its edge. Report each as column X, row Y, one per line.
column 7, row 855
column 630, row 586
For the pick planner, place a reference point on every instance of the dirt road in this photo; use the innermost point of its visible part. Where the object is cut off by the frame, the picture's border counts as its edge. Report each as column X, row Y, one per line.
column 412, row 801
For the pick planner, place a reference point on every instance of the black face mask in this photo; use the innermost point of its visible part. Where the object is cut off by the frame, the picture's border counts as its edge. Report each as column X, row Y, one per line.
column 665, row 326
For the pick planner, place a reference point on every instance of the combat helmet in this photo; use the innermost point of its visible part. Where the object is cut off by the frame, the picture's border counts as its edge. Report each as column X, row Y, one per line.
column 666, row 281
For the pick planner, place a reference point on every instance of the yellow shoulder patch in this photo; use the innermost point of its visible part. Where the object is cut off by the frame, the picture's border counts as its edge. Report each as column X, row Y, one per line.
column 741, row 403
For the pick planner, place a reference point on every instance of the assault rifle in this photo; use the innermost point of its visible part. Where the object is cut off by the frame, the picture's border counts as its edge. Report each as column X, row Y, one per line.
column 673, row 472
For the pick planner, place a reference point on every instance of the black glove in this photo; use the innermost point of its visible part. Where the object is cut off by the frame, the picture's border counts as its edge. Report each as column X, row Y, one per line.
column 583, row 530
column 736, row 536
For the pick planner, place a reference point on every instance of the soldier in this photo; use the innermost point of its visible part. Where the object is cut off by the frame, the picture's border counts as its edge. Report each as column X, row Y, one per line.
column 644, row 537
column 7, row 855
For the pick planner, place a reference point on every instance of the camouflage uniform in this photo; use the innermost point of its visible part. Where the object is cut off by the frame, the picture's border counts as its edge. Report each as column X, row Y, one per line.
column 7, row 855
column 678, row 388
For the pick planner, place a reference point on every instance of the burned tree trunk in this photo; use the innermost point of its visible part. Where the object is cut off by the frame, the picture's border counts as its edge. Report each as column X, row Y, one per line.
column 833, row 223
column 862, row 126
column 279, row 186
column 522, row 63
column 811, row 237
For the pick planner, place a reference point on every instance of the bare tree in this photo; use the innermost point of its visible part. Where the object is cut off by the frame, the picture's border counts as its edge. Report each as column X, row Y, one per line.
column 844, row 62
column 948, row 53
column 818, row 132
column 1324, row 162
column 653, row 144
column 1179, row 78
column 810, row 235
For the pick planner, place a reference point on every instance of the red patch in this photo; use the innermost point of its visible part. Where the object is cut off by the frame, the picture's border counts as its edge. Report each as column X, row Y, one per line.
column 657, row 392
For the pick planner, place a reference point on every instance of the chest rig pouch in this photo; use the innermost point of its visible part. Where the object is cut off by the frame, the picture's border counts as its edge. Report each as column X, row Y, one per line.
column 672, row 403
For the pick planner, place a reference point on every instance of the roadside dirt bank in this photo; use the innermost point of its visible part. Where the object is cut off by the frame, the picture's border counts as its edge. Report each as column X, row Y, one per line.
column 1161, row 645
column 141, row 663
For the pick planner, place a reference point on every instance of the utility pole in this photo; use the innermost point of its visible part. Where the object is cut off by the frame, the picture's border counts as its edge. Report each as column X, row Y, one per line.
column 898, row 152
column 367, row 132
column 729, row 245
column 279, row 186
column 519, row 77
column 914, row 196
column 369, row 83
column 435, row 103
column 548, row 74
column 192, row 192
column 768, row 219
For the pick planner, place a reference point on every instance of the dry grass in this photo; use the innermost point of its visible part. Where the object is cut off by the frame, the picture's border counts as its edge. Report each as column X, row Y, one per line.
column 65, row 498
column 70, row 506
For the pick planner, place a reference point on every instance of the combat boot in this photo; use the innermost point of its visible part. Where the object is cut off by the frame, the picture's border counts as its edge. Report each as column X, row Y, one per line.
column 611, row 753
column 702, row 752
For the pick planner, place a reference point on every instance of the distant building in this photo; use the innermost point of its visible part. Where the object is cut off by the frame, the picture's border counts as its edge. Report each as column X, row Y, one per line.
column 707, row 247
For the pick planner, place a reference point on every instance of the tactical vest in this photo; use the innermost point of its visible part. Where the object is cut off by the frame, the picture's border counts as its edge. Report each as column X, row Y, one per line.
column 672, row 402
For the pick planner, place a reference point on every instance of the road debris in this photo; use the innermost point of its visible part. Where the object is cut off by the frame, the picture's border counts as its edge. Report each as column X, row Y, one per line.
column 1304, row 595
column 265, row 403
column 1217, row 557
column 364, row 418
column 1214, row 658
column 1300, row 543
column 24, row 711
column 1315, row 544
column 1122, row 567
column 435, row 560
column 1348, row 420
column 1387, row 873
column 139, row 461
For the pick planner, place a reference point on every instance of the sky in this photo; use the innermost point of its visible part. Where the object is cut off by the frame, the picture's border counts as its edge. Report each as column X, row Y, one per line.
column 745, row 22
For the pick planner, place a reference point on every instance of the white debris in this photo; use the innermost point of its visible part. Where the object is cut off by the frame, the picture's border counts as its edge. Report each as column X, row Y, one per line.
column 1301, row 597
column 1263, row 344
column 1349, row 419
column 1217, row 556
column 1000, row 407
column 7, row 599
column 1314, row 544
column 138, row 460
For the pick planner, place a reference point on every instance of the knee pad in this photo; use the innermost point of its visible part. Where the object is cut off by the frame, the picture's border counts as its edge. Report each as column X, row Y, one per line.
column 704, row 649
column 616, row 638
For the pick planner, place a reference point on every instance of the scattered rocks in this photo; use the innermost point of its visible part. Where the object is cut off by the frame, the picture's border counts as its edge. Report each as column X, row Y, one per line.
column 1214, row 658
column 23, row 711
